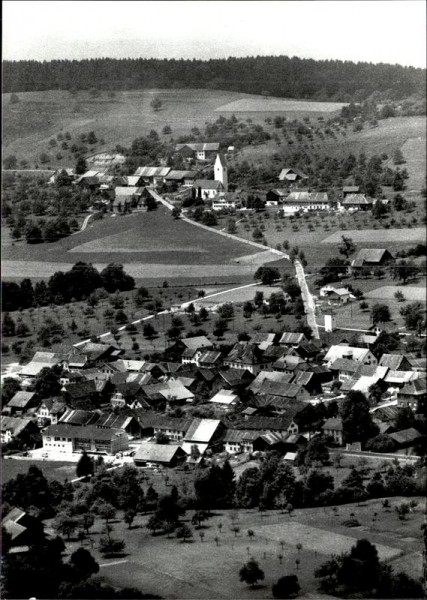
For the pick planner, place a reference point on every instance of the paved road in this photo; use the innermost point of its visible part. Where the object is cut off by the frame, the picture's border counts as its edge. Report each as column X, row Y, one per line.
column 309, row 303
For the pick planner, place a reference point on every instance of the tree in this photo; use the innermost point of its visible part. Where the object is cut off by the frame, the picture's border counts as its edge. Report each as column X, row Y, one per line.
column 184, row 532
column 380, row 313
column 251, row 573
column 176, row 212
column 286, row 587
column 267, row 275
column 347, row 246
column 10, row 162
column 129, row 517
column 85, row 466
column 65, row 524
column 8, row 326
column 162, row 438
column 115, row 278
column 109, row 546
column 356, row 418
column 105, row 511
column 226, row 311
column 398, row 158
column 156, row 104
column 81, row 166
column 47, row 382
column 413, row 315
column 317, row 451
column 33, row 234
column 84, row 563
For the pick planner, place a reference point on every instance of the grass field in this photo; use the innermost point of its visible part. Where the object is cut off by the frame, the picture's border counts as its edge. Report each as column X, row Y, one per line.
column 205, row 568
column 58, row 470
column 39, row 116
column 280, row 105
column 416, row 234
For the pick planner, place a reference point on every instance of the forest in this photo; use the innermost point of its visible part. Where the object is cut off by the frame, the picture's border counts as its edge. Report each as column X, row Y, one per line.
column 282, row 76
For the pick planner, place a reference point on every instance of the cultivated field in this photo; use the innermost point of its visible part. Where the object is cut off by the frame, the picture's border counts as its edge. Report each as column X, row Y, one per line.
column 411, row 293
column 416, row 234
column 280, row 105
column 151, row 246
column 190, row 570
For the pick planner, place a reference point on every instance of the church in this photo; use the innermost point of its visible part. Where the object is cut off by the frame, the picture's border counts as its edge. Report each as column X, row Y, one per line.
column 208, row 189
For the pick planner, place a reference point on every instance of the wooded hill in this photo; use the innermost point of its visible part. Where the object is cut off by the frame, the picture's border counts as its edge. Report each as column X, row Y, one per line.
column 271, row 75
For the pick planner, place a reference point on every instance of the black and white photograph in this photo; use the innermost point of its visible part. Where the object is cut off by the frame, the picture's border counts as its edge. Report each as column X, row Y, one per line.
column 214, row 263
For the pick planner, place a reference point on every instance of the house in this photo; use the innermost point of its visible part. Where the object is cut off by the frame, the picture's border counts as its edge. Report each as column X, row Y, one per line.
column 20, row 403
column 237, row 441
column 412, row 393
column 198, row 151
column 126, row 421
column 246, row 356
column 279, row 424
column 65, row 439
column 185, row 178
column 354, row 202
column 88, row 181
column 176, row 429
column 273, row 376
column 225, row 400
column 70, row 173
column 227, row 200
column 333, row 428
column 165, row 455
column 305, row 201
column 406, row 438
column 344, row 368
column 361, row 355
column 173, row 391
column 209, row 359
column 205, row 434
column 263, row 340
column 21, row 428
column 418, row 364
column 291, row 339
column 350, row 189
column 338, row 295
column 76, row 418
column 152, row 175
column 371, row 258
column 275, row 197
column 208, row 189
column 23, row 529
column 283, row 443
column 40, row 360
column 97, row 352
column 288, row 364
column 395, row 362
column 291, row 176
column 128, row 197
column 50, row 410
column 81, row 395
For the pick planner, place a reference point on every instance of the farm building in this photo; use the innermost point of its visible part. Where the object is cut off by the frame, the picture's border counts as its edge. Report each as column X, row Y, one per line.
column 356, row 202
column 412, row 393
column 66, row 439
column 339, row 295
column 69, row 173
column 350, row 189
column 173, row 427
column 24, row 529
column 199, row 151
column 361, row 355
column 291, row 339
column 185, row 178
column 333, row 428
column 152, row 175
column 291, row 176
column 225, row 400
column 128, row 197
column 227, row 200
column 20, row 403
column 275, row 197
column 165, row 455
column 203, row 433
column 40, row 361
column 246, row 357
column 304, row 201
column 17, row 427
column 372, row 257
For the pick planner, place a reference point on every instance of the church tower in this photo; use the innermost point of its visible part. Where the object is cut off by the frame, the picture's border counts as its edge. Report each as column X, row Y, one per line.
column 220, row 171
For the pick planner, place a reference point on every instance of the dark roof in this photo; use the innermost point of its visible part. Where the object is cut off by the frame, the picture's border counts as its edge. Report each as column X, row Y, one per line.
column 417, row 387
column 81, row 389
column 210, row 357
column 293, row 338
column 21, row 399
column 406, row 436
column 162, row 453
column 90, row 432
column 334, row 424
column 245, row 354
column 392, row 361
column 369, row 255
column 208, row 184
column 265, row 423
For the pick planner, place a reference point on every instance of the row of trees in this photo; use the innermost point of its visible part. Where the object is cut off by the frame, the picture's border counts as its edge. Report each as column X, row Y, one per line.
column 78, row 283
column 276, row 75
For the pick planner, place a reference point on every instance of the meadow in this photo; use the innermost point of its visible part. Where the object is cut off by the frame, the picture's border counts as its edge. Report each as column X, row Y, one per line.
column 39, row 116
column 207, row 566
column 57, row 470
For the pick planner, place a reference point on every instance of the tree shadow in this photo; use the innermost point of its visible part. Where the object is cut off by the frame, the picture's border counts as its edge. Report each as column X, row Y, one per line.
column 116, row 555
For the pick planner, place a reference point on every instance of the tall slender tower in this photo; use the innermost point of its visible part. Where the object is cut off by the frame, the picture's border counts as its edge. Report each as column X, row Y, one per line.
column 220, row 171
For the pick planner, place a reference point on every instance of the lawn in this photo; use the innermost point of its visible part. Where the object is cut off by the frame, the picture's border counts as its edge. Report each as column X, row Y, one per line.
column 208, row 568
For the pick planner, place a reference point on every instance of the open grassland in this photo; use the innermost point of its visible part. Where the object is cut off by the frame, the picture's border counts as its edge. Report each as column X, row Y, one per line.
column 58, row 470
column 39, row 116
column 414, row 152
column 206, row 567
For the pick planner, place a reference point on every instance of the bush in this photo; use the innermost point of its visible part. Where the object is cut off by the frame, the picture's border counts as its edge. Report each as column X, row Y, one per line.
column 351, row 523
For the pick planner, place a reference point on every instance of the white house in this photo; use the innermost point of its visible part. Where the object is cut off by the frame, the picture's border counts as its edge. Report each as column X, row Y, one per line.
column 340, row 295
column 361, row 355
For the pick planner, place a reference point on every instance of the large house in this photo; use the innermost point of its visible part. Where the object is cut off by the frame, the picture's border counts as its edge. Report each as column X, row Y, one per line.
column 127, row 197
column 65, row 439
column 199, row 151
column 163, row 455
column 361, row 355
column 371, row 258
column 203, row 433
column 305, row 201
column 152, row 175
column 208, row 189
column 356, row 202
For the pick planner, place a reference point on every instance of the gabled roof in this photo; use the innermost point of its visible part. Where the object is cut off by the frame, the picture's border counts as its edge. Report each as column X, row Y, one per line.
column 199, row 147
column 369, row 255
column 285, row 173
column 81, row 389
column 200, row 341
column 292, row 338
column 21, row 399
column 359, row 199
column 208, row 184
column 178, row 175
column 308, row 197
column 396, row 376
column 226, row 397
column 265, row 423
column 128, row 190
column 240, row 435
column 164, row 453
column 133, row 180
column 244, row 353
column 392, row 361
column 76, row 417
column 350, row 189
column 414, row 388
column 344, row 364
column 89, row 432
column 152, row 171
column 341, row 351
column 210, row 357
column 202, row 430
column 279, row 192
column 406, row 436
column 263, row 340
column 15, row 425
column 273, row 376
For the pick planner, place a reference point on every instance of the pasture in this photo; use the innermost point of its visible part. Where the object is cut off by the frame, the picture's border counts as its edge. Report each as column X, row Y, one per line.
column 39, row 116
column 207, row 566
column 268, row 104
column 57, row 470
column 416, row 234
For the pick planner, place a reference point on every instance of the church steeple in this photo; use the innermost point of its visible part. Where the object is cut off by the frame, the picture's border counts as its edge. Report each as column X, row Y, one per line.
column 220, row 171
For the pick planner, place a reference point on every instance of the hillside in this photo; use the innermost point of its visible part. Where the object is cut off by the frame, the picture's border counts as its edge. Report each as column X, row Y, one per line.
column 271, row 75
